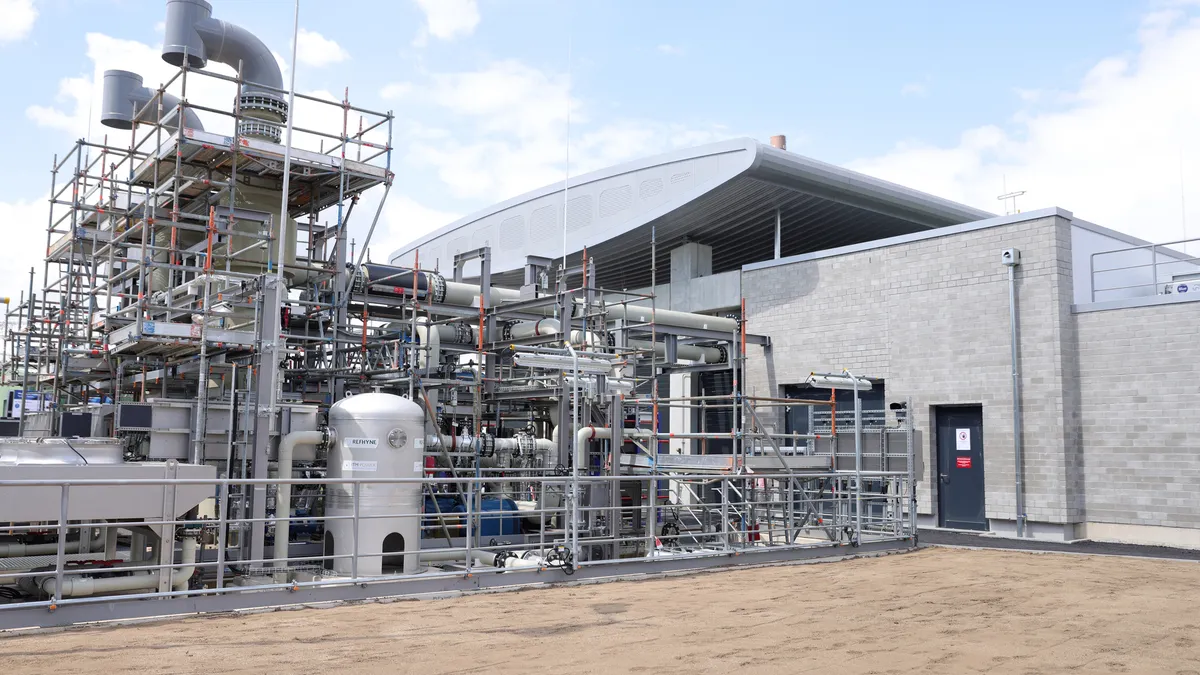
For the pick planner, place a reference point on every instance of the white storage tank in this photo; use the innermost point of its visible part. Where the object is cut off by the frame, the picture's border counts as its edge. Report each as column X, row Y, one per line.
column 377, row 436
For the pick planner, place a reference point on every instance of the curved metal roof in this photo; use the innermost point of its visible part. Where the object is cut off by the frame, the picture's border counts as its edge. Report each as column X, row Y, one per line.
column 723, row 194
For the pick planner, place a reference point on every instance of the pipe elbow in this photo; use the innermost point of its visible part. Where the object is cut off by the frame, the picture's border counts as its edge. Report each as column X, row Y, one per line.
column 181, row 41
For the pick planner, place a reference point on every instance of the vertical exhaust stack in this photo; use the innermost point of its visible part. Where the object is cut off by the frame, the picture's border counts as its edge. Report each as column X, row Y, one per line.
column 192, row 34
column 779, row 141
column 124, row 95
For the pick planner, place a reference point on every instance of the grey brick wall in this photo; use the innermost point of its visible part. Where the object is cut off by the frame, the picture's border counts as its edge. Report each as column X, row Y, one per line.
column 931, row 317
column 1140, row 414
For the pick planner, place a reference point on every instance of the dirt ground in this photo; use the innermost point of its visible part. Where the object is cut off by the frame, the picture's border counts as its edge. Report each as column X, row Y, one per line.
column 932, row 611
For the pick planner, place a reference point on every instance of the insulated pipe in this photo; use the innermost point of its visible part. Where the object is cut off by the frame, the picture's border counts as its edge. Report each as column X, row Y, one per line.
column 76, row 586
column 283, row 498
column 16, row 550
column 124, row 95
column 433, row 286
column 527, row 329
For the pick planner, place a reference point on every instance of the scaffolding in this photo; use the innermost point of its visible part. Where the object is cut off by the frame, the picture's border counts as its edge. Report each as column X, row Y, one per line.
column 167, row 322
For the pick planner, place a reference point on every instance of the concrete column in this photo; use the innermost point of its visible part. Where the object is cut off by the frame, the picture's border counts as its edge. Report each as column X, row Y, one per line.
column 688, row 262
column 778, row 233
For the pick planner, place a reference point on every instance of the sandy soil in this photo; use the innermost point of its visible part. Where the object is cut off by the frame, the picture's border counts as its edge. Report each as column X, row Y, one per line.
column 933, row 611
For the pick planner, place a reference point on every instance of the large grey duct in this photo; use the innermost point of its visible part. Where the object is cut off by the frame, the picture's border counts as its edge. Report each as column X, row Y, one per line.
column 192, row 33
column 124, row 95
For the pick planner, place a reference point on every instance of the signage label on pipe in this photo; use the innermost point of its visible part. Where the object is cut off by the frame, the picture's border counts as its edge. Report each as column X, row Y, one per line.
column 962, row 439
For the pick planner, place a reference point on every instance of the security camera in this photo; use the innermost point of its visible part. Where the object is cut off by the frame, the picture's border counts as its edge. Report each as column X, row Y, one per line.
column 1011, row 256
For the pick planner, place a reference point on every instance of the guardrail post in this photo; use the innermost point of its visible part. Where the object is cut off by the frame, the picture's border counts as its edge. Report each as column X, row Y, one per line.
column 222, row 524
column 725, row 510
column 354, row 552
column 166, row 528
column 61, row 555
column 470, row 518
column 1154, row 267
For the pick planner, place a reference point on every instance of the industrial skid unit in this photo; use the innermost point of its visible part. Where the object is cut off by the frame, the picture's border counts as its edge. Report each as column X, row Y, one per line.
column 238, row 410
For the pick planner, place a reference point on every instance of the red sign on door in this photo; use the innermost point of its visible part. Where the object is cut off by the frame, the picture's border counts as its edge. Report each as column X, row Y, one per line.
column 962, row 462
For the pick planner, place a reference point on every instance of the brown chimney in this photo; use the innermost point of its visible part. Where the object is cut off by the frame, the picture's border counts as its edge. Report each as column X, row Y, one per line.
column 779, row 141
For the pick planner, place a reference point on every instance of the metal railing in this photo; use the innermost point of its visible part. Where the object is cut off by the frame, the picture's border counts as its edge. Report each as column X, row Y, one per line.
column 690, row 517
column 1143, row 271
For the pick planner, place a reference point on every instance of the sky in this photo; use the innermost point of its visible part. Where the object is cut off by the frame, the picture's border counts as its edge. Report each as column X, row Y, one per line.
column 1090, row 105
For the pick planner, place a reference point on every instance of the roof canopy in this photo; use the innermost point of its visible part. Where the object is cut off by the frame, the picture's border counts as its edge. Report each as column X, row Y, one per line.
column 724, row 195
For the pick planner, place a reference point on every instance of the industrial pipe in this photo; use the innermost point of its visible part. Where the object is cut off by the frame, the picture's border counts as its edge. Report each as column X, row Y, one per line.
column 451, row 443
column 190, row 33
column 436, row 289
column 526, row 329
column 124, row 95
column 190, row 30
column 283, row 498
column 585, row 434
column 485, row 558
column 16, row 550
column 76, row 586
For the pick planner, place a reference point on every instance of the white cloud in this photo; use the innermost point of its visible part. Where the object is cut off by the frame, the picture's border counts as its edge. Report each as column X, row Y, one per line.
column 511, row 131
column 19, row 17
column 395, row 90
column 1111, row 150
column 316, row 50
column 24, row 223
column 447, row 19
column 914, row 89
column 671, row 50
column 405, row 220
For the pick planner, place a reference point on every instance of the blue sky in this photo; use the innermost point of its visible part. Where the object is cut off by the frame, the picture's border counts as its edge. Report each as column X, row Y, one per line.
column 1087, row 105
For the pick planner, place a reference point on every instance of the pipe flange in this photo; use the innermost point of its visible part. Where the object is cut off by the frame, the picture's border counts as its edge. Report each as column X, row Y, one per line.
column 724, row 354
column 358, row 284
column 253, row 128
column 506, row 331
column 436, row 287
column 257, row 103
column 526, row 445
column 463, row 334
column 487, row 445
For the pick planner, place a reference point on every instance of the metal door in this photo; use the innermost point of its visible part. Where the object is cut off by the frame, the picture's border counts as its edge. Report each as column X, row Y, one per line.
column 960, row 467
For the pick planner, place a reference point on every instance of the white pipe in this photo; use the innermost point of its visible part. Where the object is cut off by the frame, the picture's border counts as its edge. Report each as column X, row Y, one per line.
column 16, row 550
column 540, row 327
column 452, row 443
column 582, row 436
column 74, row 586
column 468, row 295
column 283, row 498
column 485, row 558
column 431, row 340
